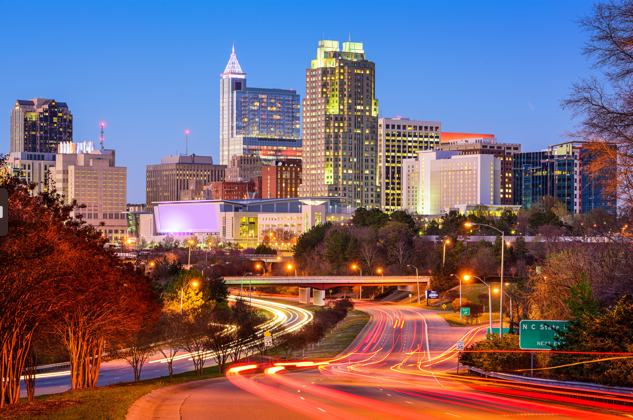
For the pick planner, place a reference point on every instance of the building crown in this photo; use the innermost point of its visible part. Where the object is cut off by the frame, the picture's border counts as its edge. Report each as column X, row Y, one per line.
column 233, row 66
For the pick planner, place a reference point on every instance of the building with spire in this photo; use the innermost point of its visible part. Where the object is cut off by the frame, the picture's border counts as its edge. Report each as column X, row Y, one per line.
column 340, row 119
column 257, row 121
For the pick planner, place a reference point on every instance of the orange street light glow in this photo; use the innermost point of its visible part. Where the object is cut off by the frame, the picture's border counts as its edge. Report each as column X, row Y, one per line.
column 466, row 277
column 448, row 241
column 152, row 264
column 468, row 224
column 195, row 284
column 496, row 290
column 354, row 267
column 289, row 266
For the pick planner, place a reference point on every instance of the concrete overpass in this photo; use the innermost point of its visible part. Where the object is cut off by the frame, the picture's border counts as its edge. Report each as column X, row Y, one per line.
column 321, row 283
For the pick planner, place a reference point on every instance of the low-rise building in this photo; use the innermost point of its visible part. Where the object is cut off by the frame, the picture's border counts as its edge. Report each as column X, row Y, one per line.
column 230, row 190
column 32, row 167
column 244, row 168
column 248, row 222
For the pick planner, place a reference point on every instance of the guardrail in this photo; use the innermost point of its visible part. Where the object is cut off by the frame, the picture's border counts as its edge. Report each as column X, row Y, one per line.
column 564, row 386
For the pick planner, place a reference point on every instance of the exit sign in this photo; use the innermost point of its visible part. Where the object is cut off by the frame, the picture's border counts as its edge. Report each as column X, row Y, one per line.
column 540, row 334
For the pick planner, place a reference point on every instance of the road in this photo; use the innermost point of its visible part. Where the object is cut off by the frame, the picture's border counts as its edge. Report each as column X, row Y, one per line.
column 400, row 367
column 286, row 318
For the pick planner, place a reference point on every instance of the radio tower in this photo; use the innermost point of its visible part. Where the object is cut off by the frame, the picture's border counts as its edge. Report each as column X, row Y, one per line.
column 186, row 142
column 101, row 139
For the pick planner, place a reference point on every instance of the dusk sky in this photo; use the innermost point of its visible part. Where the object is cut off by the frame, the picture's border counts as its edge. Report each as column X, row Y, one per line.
column 150, row 70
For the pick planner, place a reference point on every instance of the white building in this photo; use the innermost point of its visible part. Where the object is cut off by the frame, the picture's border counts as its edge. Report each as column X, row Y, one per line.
column 92, row 178
column 32, row 167
column 436, row 182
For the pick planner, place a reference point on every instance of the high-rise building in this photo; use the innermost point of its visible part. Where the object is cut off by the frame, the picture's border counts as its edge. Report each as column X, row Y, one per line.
column 92, row 178
column 243, row 168
column 486, row 144
column 256, row 121
column 32, row 167
column 340, row 119
column 165, row 182
column 398, row 139
column 39, row 125
column 282, row 180
column 437, row 181
column 559, row 172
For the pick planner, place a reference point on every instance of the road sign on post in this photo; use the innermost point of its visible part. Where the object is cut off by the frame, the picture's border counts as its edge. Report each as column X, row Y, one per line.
column 465, row 311
column 459, row 346
column 268, row 339
column 540, row 334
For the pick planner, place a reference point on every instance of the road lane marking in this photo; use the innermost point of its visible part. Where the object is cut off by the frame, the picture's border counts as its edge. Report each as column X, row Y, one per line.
column 408, row 402
column 321, row 409
column 454, row 415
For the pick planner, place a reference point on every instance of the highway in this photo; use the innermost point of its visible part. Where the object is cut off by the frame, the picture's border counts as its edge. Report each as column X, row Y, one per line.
column 400, row 367
column 285, row 318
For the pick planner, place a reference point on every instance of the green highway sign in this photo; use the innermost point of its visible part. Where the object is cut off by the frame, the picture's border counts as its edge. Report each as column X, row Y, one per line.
column 540, row 334
column 495, row 330
column 465, row 311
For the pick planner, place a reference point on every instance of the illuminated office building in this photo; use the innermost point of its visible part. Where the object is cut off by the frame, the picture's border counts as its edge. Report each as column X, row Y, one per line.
column 256, row 121
column 398, row 139
column 340, row 118
column 39, row 125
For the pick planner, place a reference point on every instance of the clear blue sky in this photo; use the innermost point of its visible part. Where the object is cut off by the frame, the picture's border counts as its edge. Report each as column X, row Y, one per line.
column 150, row 70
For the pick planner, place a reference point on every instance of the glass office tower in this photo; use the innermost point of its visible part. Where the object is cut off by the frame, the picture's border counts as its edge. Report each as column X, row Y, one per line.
column 256, row 121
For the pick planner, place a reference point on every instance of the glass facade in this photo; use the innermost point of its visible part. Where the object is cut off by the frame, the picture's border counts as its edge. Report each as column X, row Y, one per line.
column 264, row 122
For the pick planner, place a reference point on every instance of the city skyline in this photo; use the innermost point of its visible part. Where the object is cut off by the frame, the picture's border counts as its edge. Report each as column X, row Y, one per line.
column 458, row 81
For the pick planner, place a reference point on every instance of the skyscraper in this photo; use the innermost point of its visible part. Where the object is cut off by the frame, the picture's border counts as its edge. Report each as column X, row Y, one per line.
column 256, row 121
column 340, row 118
column 398, row 139
column 39, row 125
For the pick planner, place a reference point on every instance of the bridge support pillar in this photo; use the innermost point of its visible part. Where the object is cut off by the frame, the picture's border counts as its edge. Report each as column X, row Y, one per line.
column 318, row 297
column 304, row 295
column 406, row 288
column 269, row 266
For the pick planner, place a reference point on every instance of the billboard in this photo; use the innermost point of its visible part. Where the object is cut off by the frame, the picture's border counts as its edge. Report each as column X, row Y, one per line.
column 187, row 217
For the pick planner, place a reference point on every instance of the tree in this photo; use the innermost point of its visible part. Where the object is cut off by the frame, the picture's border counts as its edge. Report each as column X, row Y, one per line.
column 602, row 101
column 137, row 349
column 165, row 270
column 169, row 332
column 201, row 327
column 373, row 218
column 244, row 322
column 218, row 290
column 403, row 217
column 308, row 241
column 263, row 249
column 341, row 249
column 188, row 287
column 369, row 253
column 538, row 219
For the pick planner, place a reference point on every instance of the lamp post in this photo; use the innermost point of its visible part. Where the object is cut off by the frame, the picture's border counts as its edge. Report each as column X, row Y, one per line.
column 503, row 246
column 191, row 242
column 242, row 283
column 182, row 292
column 460, row 296
column 354, row 267
column 446, row 242
column 382, row 288
column 489, row 298
column 417, row 280
column 497, row 291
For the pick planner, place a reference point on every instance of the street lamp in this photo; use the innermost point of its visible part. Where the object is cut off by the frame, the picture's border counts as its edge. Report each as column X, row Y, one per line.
column 489, row 299
column 382, row 288
column 446, row 242
column 190, row 242
column 460, row 296
column 242, row 283
column 182, row 292
column 289, row 267
column 417, row 280
column 497, row 291
column 503, row 241
column 354, row 267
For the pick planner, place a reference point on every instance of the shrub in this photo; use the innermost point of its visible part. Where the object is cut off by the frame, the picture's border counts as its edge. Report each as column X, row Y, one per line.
column 497, row 360
column 465, row 303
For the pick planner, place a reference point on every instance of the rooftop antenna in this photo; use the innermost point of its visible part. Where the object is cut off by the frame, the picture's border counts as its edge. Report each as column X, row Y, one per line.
column 350, row 37
column 187, row 136
column 101, row 139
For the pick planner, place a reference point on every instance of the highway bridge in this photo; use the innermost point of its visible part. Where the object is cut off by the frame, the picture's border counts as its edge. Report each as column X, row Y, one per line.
column 320, row 284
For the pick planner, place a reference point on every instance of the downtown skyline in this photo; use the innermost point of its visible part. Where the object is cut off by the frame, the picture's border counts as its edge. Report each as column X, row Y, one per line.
column 166, row 77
